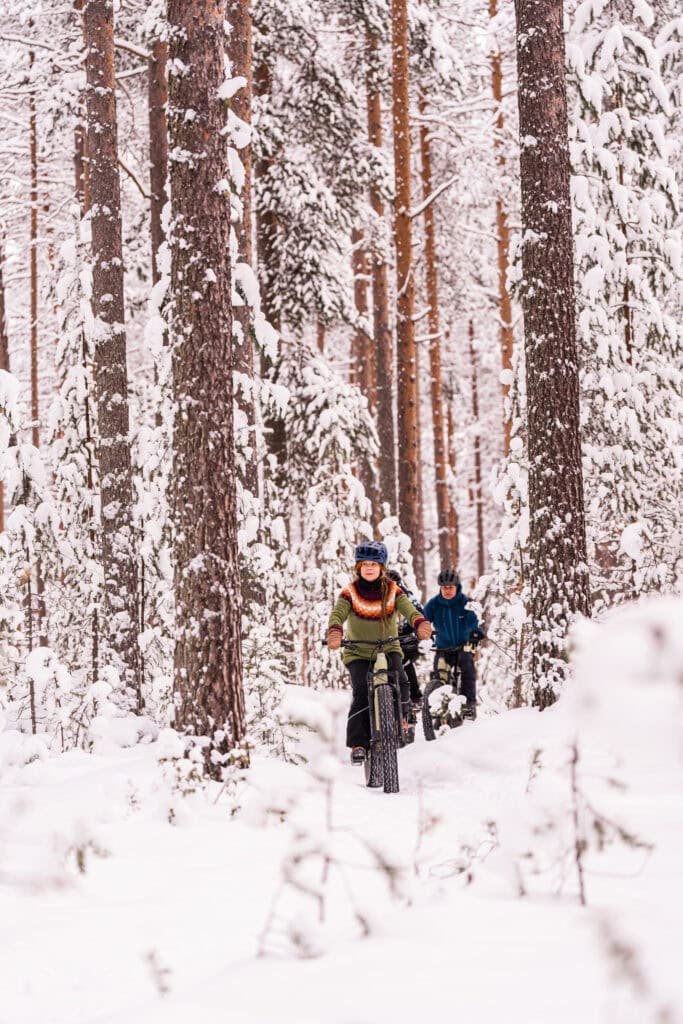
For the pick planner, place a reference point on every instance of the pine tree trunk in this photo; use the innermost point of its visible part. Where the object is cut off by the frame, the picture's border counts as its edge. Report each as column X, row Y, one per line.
column 502, row 234
column 4, row 359
column 383, row 337
column 406, row 352
column 82, row 192
column 478, row 495
column 559, row 575
column 208, row 654
column 111, row 377
column 33, row 260
column 158, row 145
column 80, row 169
column 81, row 144
column 364, row 362
column 33, row 275
column 442, row 496
column 453, row 537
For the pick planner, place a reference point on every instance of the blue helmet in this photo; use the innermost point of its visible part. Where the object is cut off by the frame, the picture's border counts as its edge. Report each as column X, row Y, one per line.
column 372, row 551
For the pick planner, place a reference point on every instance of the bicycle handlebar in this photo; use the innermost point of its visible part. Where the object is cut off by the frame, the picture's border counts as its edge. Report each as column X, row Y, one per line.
column 372, row 643
column 458, row 647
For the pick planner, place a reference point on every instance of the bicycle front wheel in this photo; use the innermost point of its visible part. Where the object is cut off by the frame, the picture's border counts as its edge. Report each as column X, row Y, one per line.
column 388, row 737
column 373, row 767
column 429, row 723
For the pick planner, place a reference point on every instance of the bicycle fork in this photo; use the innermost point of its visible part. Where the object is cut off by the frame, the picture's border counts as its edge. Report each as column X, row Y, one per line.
column 381, row 670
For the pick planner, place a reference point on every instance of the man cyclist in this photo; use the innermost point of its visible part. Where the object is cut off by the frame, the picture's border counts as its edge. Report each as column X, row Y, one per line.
column 454, row 624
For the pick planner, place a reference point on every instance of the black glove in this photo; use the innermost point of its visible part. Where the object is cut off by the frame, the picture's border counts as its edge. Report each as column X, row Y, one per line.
column 476, row 636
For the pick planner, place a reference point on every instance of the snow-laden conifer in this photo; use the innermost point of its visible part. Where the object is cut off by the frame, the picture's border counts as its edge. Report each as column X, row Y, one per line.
column 628, row 225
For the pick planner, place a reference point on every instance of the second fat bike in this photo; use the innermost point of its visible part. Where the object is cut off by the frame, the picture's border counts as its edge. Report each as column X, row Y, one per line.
column 443, row 699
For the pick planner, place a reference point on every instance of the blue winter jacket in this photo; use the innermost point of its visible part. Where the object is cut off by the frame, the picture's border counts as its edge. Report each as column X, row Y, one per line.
column 453, row 622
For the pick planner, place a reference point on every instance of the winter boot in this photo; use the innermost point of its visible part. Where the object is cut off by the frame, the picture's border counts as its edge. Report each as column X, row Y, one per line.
column 469, row 710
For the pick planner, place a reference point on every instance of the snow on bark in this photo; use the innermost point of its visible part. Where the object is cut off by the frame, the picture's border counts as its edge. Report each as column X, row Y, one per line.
column 558, row 574
column 109, row 335
column 208, row 655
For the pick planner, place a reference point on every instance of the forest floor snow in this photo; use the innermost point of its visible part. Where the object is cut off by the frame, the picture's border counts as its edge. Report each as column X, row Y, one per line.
column 123, row 902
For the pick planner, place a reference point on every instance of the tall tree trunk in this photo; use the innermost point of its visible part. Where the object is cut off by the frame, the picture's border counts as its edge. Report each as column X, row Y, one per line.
column 478, row 495
column 33, row 257
column 82, row 191
column 363, row 348
column 239, row 18
column 81, row 144
column 33, row 275
column 406, row 352
column 208, row 652
column 453, row 537
column 4, row 358
column 80, row 167
column 559, row 574
column 363, row 359
column 111, row 377
column 437, row 397
column 383, row 337
column 158, row 145
column 502, row 234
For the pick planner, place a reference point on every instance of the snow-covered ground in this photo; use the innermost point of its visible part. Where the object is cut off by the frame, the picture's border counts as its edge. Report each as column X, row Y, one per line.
column 303, row 896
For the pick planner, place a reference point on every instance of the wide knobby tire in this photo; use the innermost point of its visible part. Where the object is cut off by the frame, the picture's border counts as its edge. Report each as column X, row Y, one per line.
column 373, row 767
column 427, row 720
column 388, row 728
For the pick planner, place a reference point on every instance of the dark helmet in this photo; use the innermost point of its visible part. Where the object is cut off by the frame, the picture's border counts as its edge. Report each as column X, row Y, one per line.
column 372, row 551
column 448, row 578
column 392, row 574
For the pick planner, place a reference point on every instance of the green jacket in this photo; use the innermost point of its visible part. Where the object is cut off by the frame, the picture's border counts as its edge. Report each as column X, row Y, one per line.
column 363, row 619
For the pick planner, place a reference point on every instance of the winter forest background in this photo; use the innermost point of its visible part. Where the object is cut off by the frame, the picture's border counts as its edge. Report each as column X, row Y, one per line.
column 277, row 277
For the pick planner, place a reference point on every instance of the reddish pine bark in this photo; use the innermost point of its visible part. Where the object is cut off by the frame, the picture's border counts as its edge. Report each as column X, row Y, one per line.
column 406, row 352
column 436, row 389
column 80, row 170
column 477, row 489
column 208, row 655
column 158, row 145
column 557, row 541
column 453, row 537
column 111, row 376
column 383, row 337
column 363, row 364
column 33, row 259
column 502, row 234
column 4, row 361
column 82, row 192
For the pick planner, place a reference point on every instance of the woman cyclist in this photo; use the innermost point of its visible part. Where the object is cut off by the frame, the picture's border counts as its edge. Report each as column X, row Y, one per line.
column 370, row 606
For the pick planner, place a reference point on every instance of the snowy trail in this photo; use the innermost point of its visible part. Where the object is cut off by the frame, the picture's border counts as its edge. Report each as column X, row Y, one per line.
column 192, row 898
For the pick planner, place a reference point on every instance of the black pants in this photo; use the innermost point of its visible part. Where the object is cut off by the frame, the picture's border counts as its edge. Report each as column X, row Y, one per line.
column 468, row 676
column 409, row 669
column 358, row 724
